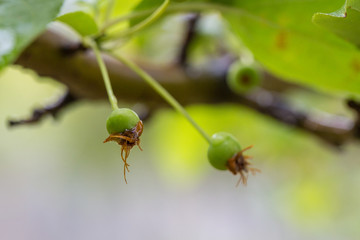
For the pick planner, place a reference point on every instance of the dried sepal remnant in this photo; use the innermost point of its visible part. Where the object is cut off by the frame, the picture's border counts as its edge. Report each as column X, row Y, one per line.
column 127, row 140
column 239, row 164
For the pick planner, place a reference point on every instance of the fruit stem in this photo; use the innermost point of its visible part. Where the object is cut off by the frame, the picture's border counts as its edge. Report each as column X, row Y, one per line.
column 155, row 15
column 109, row 9
column 178, row 7
column 163, row 93
column 105, row 75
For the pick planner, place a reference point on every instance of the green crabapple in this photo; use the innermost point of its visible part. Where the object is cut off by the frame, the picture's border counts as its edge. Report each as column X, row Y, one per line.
column 125, row 128
column 242, row 78
column 225, row 153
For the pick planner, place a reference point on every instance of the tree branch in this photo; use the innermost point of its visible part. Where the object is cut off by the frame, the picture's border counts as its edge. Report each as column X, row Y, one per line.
column 54, row 55
column 53, row 110
column 334, row 130
column 189, row 35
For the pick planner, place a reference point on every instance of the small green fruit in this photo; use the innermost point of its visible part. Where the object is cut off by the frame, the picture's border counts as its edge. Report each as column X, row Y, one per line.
column 121, row 119
column 242, row 78
column 223, row 147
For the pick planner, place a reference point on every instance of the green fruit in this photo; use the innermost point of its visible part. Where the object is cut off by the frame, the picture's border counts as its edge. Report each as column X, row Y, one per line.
column 242, row 78
column 121, row 119
column 223, row 147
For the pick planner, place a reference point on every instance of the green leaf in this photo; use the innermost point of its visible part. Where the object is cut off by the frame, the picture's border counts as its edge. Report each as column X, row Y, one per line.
column 20, row 22
column 283, row 38
column 344, row 22
column 83, row 23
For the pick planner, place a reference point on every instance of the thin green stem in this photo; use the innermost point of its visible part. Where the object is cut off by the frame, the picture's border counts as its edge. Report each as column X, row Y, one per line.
column 123, row 18
column 163, row 93
column 96, row 12
column 105, row 75
column 155, row 15
column 109, row 8
column 173, row 8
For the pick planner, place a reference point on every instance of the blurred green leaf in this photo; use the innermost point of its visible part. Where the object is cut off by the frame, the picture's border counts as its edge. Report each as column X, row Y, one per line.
column 81, row 22
column 180, row 151
column 283, row 38
column 343, row 22
column 20, row 22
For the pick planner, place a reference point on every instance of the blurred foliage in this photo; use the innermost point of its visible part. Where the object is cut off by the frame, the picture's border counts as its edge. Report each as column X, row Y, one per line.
column 81, row 22
column 19, row 25
column 283, row 38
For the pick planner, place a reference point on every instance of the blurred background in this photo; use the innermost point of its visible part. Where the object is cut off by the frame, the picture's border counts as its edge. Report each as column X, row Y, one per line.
column 59, row 181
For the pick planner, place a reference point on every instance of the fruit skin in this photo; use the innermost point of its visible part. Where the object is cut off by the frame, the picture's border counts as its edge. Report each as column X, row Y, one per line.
column 242, row 78
column 121, row 119
column 223, row 147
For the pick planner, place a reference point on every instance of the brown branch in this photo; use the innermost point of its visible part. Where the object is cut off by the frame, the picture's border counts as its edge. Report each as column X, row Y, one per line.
column 80, row 73
column 189, row 35
column 53, row 110
column 334, row 130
